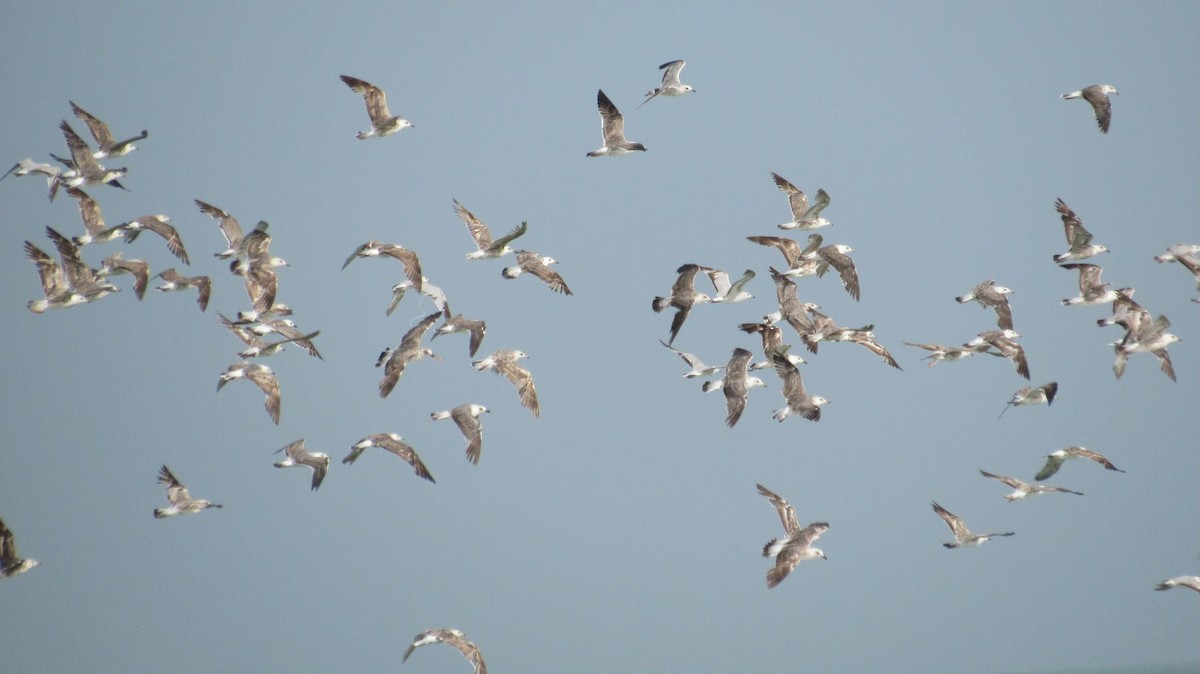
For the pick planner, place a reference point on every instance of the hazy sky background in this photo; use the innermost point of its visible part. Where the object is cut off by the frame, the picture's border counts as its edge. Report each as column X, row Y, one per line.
column 621, row 531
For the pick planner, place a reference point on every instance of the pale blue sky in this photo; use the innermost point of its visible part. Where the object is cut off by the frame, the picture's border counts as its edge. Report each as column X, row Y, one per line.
column 621, row 531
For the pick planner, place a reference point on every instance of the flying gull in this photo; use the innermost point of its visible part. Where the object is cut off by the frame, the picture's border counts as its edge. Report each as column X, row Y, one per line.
column 1005, row 344
column 539, row 266
column 231, row 229
column 466, row 417
column 504, row 362
column 612, row 125
column 1091, row 290
column 670, row 82
column 11, row 562
column 383, row 122
column 28, row 165
column 796, row 545
column 1190, row 582
column 427, row 289
column 798, row 400
column 1187, row 255
column 459, row 323
column 791, row 309
column 1022, row 490
column 95, row 230
column 181, row 501
column 412, row 264
column 159, row 224
column 262, row 377
column 174, row 281
column 836, row 256
column 729, row 292
column 106, row 144
column 1055, row 459
column 85, row 169
column 963, row 538
column 296, row 455
column 57, row 292
column 737, row 384
column 800, row 261
column 824, row 329
column 115, row 264
column 454, row 638
column 1148, row 337
column 772, row 340
column 395, row 444
column 1079, row 240
column 683, row 297
column 699, row 369
column 939, row 352
column 395, row 360
column 257, row 323
column 803, row 215
column 486, row 246
column 81, row 277
column 1097, row 96
column 1032, row 395
column 988, row 294
column 256, row 346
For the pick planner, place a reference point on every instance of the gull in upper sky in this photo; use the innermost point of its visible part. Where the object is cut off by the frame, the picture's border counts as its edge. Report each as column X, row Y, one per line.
column 1032, row 395
column 1187, row 255
column 1091, row 290
column 106, row 144
column 231, row 229
column 836, row 256
column 82, row 278
column 459, row 323
column 262, row 377
column 798, row 400
column 295, row 454
column 395, row 360
column 796, row 545
column 454, row 638
column 85, row 169
column 671, row 85
column 181, row 501
column 412, row 264
column 174, row 281
column 95, row 230
column 699, row 369
column 1004, row 342
column 504, row 362
column 427, row 289
column 1190, row 582
column 683, row 297
column 824, row 329
column 159, row 224
column 28, row 165
column 800, row 261
column 486, row 246
column 772, row 340
column 466, row 417
column 57, row 292
column 11, row 562
column 612, row 125
column 1097, row 96
column 737, row 384
column 1023, row 490
column 1149, row 337
column 115, row 264
column 791, row 309
column 1055, row 460
column 963, row 538
column 539, row 266
column 803, row 215
column 727, row 292
column 383, row 122
column 1079, row 240
column 395, row 444
column 988, row 294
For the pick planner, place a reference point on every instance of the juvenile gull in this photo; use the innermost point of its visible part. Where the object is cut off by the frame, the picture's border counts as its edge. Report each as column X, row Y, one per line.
column 1097, row 96
column 262, row 377
column 181, row 501
column 504, row 362
column 803, row 215
column 159, row 224
column 683, row 297
column 410, row 349
column 452, row 637
column 670, row 82
column 699, row 369
column 383, row 122
column 1190, row 582
column 230, row 228
column 57, row 292
column 612, row 126
column 259, row 324
column 11, row 562
column 1126, row 312
column 1055, row 460
column 939, row 352
column 963, row 538
column 1091, row 290
column 115, row 264
column 737, row 384
column 836, row 256
column 412, row 264
column 1187, row 255
column 539, row 266
column 466, row 417
column 256, row 345
column 427, row 289
column 459, row 323
column 486, row 246
column 95, row 230
column 1005, row 344
column 1022, row 490
column 824, row 329
column 85, row 169
column 81, row 277
column 796, row 545
column 106, row 144
column 1032, row 395
column 800, row 261
column 1148, row 337
column 988, row 294
column 395, row 444
column 772, row 339
column 1079, row 240
column 798, row 400
column 295, row 454
column 174, row 281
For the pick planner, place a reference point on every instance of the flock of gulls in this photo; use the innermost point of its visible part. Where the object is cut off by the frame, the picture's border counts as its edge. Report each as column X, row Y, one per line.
column 265, row 326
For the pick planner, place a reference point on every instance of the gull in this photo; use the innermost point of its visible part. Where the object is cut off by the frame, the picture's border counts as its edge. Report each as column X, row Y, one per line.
column 466, row 417
column 106, row 144
column 58, row 294
column 460, row 323
column 798, row 400
column 800, row 261
column 670, row 82
column 1190, row 582
column 296, row 455
column 836, row 256
column 988, row 294
column 824, row 329
column 737, row 384
column 412, row 264
column 1055, row 460
column 1091, row 290
column 683, row 297
column 383, row 122
column 454, row 638
column 181, row 501
column 284, row 326
column 174, row 281
column 963, row 538
column 1079, row 240
column 791, row 308
column 1004, row 341
column 939, row 352
column 158, row 225
column 1022, row 490
column 1097, row 96
column 427, row 289
column 772, row 338
column 28, row 165
column 95, row 230
column 1032, row 395
column 796, row 545
column 230, row 228
column 395, row 444
column 612, row 125
column 1127, row 313
column 262, row 377
column 82, row 278
column 699, row 369
column 86, row 170
column 729, row 293
column 116, row 264
column 1149, row 337
column 803, row 215
column 504, row 362
column 410, row 349
column 486, row 246
column 1186, row 254
column 257, row 347
column 539, row 266
column 11, row 562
